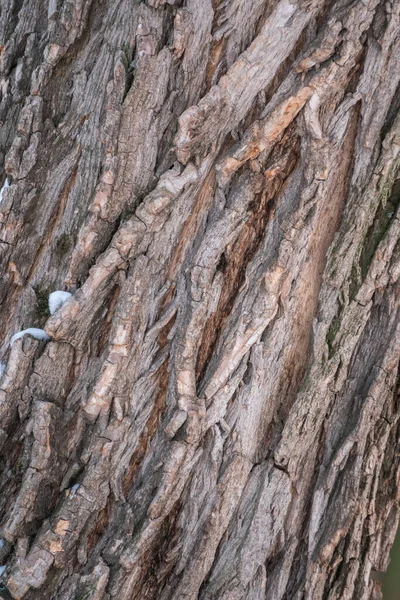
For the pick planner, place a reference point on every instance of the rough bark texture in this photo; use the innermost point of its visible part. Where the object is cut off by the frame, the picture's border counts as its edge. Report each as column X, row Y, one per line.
column 217, row 184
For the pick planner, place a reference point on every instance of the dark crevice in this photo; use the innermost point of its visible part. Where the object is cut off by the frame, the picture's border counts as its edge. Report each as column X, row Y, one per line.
column 235, row 261
column 297, row 572
column 379, row 227
column 392, row 113
column 383, row 217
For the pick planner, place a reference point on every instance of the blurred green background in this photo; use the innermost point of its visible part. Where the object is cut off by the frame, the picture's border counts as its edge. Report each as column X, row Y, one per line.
column 391, row 581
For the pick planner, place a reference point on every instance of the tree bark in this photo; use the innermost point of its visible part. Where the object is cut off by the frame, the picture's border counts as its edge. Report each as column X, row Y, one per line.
column 216, row 183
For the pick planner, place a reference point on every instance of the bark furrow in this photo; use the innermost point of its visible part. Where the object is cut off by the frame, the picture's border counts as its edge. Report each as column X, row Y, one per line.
column 217, row 184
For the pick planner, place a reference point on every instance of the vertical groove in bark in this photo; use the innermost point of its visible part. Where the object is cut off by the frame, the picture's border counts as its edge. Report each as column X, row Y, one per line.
column 215, row 415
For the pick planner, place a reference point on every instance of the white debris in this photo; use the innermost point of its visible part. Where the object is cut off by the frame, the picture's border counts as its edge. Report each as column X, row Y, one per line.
column 39, row 334
column 57, row 299
column 2, row 569
column 2, row 369
column 73, row 490
column 5, row 185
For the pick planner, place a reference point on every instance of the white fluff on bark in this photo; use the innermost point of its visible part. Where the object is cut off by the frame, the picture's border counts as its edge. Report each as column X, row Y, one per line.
column 5, row 185
column 57, row 299
column 74, row 490
column 39, row 334
column 2, row 369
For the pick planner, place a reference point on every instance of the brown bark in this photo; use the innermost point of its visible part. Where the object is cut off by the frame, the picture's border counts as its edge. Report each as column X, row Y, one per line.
column 217, row 184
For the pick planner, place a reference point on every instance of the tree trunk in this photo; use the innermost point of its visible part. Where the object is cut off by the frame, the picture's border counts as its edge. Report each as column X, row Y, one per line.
column 216, row 183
